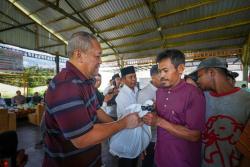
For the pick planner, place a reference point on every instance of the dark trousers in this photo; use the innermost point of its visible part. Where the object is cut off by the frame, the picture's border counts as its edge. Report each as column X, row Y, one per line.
column 8, row 146
column 149, row 158
column 125, row 162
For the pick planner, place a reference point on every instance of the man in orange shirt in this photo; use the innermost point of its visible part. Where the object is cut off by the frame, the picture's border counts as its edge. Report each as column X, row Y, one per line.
column 243, row 145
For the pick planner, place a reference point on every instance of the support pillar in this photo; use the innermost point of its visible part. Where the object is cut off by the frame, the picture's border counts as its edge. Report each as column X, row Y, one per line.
column 245, row 72
column 57, row 63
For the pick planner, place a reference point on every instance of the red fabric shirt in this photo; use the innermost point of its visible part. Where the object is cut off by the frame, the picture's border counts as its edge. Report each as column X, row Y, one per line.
column 71, row 106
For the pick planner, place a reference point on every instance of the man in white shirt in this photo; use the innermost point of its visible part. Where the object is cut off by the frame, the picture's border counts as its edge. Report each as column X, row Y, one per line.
column 127, row 96
column 149, row 93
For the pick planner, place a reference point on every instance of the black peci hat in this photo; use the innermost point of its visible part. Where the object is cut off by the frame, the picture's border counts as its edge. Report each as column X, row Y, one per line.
column 127, row 70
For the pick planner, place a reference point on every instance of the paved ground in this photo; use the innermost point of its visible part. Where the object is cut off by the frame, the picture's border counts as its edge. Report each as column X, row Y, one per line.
column 28, row 136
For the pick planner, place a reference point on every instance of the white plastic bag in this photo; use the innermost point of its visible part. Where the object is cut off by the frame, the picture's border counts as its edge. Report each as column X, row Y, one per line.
column 129, row 143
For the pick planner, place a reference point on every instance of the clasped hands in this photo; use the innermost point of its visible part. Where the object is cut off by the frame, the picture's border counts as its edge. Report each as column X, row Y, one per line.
column 133, row 120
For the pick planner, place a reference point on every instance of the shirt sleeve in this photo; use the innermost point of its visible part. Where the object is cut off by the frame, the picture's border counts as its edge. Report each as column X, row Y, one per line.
column 195, row 114
column 243, row 145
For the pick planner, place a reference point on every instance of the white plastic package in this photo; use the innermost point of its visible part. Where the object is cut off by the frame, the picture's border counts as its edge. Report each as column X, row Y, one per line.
column 129, row 143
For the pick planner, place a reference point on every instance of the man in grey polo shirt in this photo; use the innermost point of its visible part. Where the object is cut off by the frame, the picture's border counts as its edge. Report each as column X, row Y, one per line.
column 149, row 93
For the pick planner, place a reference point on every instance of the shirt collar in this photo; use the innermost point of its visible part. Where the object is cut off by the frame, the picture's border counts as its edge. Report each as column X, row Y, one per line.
column 126, row 88
column 72, row 68
column 236, row 89
column 177, row 87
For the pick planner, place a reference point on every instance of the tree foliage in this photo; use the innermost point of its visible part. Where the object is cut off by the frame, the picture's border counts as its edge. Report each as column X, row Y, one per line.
column 31, row 77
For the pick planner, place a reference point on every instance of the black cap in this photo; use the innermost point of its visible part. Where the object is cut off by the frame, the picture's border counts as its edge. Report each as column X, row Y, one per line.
column 115, row 76
column 154, row 70
column 127, row 70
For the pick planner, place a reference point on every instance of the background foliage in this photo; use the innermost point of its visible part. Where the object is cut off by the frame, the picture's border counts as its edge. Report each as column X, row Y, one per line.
column 31, row 77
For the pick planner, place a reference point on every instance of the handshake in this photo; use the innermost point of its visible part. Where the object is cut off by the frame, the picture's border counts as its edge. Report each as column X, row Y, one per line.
column 133, row 120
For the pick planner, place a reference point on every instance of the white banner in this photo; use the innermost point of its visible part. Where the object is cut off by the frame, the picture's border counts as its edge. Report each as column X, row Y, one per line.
column 11, row 60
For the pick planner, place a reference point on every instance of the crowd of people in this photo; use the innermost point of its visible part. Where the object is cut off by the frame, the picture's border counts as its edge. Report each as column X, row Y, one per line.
column 19, row 99
column 199, row 121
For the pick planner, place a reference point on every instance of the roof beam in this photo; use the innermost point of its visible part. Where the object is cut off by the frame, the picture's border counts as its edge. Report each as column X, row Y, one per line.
column 26, row 13
column 80, row 11
column 214, row 16
column 193, row 54
column 118, row 27
column 60, row 10
column 50, row 46
column 185, row 43
column 174, row 36
column 111, row 15
column 7, row 23
column 139, row 5
column 186, row 7
column 25, row 29
column 93, row 29
column 82, row 21
column 153, row 13
column 68, row 29
column 17, row 26
column 38, row 10
column 181, row 9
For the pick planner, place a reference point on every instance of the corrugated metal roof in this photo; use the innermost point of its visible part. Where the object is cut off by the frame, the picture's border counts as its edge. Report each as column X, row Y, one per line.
column 47, row 14
column 30, row 5
column 133, row 29
column 243, row 30
column 109, row 8
column 19, row 37
column 8, row 9
column 214, row 45
column 168, row 5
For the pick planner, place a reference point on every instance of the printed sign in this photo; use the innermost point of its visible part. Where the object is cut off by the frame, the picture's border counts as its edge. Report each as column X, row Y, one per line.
column 11, row 60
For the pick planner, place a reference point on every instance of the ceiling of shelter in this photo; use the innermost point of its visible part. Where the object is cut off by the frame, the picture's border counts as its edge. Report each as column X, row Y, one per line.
column 129, row 29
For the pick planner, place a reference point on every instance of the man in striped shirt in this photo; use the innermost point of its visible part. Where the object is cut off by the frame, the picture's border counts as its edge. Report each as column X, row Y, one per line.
column 75, row 124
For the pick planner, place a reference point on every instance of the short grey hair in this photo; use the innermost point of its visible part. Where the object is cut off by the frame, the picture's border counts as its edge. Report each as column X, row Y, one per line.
column 80, row 40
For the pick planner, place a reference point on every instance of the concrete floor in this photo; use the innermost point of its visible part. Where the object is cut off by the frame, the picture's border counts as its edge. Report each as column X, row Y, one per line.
column 28, row 136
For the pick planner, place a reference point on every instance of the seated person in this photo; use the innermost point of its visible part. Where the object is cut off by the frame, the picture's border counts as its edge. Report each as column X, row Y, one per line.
column 18, row 99
column 2, row 102
column 36, row 98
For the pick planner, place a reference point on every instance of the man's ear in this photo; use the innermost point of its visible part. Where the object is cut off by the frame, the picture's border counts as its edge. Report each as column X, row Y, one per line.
column 181, row 68
column 77, row 53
